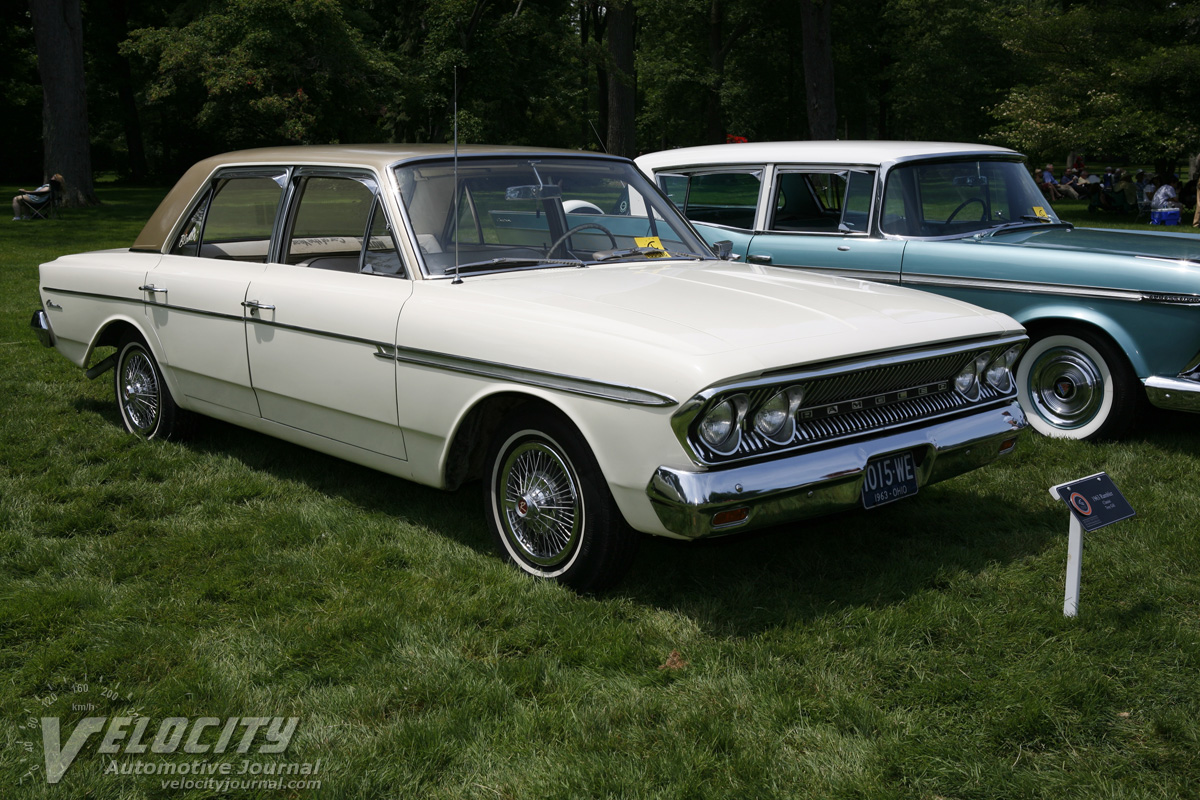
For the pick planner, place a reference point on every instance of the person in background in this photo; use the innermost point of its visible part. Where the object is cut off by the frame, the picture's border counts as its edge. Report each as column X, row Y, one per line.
column 1123, row 196
column 1057, row 190
column 1167, row 195
column 1049, row 190
column 34, row 198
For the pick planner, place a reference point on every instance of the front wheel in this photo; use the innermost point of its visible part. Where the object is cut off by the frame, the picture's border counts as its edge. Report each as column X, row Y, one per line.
column 146, row 406
column 549, row 507
column 1075, row 384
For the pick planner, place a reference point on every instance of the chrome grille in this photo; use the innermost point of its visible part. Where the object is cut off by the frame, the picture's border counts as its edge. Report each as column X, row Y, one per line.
column 857, row 399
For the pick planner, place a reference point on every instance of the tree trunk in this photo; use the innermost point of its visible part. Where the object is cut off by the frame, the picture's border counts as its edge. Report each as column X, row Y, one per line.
column 622, row 92
column 58, row 35
column 714, row 122
column 817, row 44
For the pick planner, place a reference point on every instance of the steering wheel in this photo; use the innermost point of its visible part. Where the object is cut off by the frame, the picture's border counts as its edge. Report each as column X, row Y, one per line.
column 963, row 205
column 576, row 229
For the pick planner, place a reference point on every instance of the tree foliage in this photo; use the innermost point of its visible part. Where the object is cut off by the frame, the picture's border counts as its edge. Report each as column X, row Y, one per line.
column 168, row 84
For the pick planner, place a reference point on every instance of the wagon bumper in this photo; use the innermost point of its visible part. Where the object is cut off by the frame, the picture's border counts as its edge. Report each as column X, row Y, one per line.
column 699, row 504
column 1176, row 394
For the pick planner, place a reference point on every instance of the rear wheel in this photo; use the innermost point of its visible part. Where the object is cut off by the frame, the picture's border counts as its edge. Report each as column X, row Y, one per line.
column 143, row 399
column 1076, row 384
column 549, row 507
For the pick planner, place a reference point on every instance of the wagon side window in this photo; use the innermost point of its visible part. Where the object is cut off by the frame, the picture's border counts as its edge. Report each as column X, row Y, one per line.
column 233, row 220
column 727, row 198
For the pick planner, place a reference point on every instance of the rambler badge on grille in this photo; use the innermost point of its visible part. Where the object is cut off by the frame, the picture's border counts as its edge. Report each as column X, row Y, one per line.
column 887, row 398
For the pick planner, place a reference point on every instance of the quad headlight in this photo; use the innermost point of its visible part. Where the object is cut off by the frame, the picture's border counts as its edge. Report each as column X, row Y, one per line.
column 776, row 418
column 967, row 381
column 999, row 372
column 721, row 426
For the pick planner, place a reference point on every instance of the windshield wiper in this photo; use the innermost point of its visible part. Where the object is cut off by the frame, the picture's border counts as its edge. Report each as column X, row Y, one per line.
column 643, row 252
column 499, row 263
column 1027, row 221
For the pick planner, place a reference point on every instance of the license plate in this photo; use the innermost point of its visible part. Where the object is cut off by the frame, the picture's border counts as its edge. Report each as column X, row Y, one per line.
column 889, row 478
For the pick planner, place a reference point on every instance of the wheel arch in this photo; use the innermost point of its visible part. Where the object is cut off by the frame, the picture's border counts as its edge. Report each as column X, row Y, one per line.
column 1038, row 321
column 115, row 330
column 468, row 444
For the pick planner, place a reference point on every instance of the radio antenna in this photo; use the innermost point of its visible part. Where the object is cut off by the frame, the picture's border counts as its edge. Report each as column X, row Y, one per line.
column 598, row 137
column 457, row 274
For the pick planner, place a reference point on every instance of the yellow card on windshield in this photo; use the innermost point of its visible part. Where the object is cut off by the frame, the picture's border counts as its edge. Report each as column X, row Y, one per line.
column 650, row 241
column 1041, row 212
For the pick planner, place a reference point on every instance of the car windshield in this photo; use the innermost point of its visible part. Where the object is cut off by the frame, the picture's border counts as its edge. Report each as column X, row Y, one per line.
column 513, row 213
column 958, row 198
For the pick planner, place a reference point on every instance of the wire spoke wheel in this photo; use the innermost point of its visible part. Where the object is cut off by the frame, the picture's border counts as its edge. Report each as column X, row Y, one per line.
column 549, row 507
column 143, row 399
column 139, row 392
column 541, row 503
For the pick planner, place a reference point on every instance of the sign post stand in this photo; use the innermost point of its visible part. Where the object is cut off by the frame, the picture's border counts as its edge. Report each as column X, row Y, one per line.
column 1094, row 502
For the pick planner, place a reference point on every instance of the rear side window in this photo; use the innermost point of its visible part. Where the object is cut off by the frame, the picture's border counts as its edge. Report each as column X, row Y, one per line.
column 822, row 202
column 727, row 198
column 234, row 220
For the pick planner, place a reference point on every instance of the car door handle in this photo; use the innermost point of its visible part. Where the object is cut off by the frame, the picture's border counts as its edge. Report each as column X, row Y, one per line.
column 254, row 305
column 844, row 248
column 150, row 287
column 758, row 259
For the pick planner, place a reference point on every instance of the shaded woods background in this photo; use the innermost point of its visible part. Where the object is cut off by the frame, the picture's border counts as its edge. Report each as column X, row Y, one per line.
column 168, row 83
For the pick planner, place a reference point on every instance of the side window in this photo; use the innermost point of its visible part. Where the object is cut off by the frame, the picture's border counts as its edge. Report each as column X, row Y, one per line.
column 381, row 256
column 856, row 210
column 329, row 224
column 721, row 198
column 675, row 188
column 808, row 201
column 233, row 221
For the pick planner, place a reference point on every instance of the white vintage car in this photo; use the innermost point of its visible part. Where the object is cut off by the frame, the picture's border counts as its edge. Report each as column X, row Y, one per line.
column 543, row 321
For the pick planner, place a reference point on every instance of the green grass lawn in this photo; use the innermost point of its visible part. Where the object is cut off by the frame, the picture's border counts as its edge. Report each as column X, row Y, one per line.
column 917, row 651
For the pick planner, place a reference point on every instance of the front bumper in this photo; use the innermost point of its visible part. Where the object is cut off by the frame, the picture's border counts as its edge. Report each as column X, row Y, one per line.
column 41, row 327
column 1175, row 394
column 824, row 481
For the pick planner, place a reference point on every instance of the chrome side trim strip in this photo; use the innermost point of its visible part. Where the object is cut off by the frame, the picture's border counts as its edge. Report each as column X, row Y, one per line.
column 1063, row 289
column 529, row 377
column 917, row 279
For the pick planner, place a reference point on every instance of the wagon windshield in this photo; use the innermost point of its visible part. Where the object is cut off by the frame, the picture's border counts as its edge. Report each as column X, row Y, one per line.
column 510, row 213
column 958, row 198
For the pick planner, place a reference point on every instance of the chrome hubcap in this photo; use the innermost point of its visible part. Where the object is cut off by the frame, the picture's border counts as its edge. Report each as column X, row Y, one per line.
column 139, row 392
column 540, row 503
column 1066, row 387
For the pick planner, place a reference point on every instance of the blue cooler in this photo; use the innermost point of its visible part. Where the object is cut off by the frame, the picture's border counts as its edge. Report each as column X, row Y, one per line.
column 1165, row 216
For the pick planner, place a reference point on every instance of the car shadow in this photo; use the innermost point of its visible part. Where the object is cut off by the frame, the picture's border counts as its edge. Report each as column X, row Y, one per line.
column 735, row 585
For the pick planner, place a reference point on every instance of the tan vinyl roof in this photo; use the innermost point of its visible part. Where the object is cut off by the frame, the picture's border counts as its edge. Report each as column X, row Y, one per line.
column 376, row 157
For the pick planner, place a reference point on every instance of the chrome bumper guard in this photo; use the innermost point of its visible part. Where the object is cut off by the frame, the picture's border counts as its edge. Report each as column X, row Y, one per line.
column 41, row 327
column 1175, row 394
column 823, row 481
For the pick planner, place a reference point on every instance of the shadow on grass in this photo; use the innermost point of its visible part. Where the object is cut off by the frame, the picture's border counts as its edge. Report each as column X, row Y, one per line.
column 735, row 585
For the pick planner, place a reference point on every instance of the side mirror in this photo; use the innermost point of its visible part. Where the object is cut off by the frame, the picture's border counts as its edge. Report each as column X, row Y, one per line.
column 722, row 249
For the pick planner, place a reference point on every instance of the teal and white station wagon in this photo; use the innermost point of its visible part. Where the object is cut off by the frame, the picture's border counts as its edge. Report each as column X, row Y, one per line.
column 542, row 322
column 1113, row 316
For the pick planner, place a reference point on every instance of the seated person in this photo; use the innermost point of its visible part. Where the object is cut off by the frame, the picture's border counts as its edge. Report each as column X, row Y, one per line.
column 1167, row 195
column 1123, row 196
column 35, row 198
